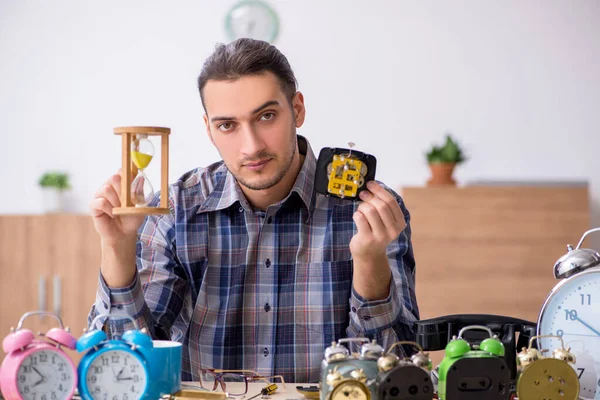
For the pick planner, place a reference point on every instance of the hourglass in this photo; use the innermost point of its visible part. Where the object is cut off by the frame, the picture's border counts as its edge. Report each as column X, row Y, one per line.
column 137, row 153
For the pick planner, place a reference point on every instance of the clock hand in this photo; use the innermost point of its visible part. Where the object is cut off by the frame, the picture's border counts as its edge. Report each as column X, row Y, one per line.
column 587, row 326
column 37, row 372
column 42, row 377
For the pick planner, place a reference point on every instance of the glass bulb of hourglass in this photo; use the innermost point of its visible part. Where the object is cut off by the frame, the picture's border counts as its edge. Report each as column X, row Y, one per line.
column 141, row 190
column 142, row 152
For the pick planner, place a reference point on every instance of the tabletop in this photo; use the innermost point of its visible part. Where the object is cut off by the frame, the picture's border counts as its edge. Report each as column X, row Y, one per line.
column 288, row 391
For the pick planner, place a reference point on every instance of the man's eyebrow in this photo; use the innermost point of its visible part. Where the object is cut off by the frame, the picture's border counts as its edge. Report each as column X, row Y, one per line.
column 213, row 119
column 267, row 104
column 256, row 110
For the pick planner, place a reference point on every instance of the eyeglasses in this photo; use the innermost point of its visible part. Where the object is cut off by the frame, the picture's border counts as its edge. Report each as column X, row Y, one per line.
column 235, row 382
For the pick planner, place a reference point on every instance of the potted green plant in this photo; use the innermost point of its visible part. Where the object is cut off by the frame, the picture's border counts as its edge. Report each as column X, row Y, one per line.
column 53, row 185
column 442, row 160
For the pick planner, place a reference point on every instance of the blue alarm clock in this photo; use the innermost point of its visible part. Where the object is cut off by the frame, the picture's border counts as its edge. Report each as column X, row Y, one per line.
column 116, row 368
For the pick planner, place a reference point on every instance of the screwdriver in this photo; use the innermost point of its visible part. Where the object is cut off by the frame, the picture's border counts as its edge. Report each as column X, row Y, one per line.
column 270, row 389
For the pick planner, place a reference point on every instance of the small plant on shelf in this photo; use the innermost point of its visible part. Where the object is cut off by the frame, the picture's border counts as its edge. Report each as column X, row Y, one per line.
column 56, row 180
column 442, row 160
column 54, row 184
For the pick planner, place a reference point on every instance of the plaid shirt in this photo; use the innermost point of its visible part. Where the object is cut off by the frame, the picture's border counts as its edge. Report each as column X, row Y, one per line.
column 260, row 290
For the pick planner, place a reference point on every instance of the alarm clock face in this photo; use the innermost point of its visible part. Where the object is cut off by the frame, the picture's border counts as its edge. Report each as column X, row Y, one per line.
column 45, row 374
column 572, row 311
column 116, row 374
column 350, row 389
column 548, row 378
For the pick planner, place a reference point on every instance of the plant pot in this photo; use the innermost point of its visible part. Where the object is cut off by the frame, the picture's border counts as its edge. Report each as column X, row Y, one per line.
column 441, row 174
column 52, row 200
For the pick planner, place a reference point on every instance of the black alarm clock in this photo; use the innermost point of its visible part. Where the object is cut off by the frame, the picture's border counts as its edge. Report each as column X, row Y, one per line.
column 343, row 173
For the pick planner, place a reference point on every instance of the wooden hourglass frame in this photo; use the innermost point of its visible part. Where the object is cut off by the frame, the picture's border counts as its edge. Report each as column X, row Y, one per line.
column 128, row 170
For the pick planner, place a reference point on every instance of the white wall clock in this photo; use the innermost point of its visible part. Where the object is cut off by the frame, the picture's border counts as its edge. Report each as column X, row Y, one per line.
column 252, row 19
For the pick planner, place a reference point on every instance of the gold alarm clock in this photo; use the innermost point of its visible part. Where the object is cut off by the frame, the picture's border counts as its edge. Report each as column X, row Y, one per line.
column 542, row 377
column 350, row 375
column 353, row 388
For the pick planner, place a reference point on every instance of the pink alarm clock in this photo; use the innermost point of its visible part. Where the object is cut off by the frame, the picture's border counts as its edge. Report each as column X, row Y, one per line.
column 37, row 368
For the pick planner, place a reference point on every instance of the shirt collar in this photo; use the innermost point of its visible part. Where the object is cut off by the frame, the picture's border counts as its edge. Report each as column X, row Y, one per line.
column 227, row 191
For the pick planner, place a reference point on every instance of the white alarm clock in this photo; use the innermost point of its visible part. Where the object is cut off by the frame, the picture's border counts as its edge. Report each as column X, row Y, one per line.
column 572, row 311
column 117, row 368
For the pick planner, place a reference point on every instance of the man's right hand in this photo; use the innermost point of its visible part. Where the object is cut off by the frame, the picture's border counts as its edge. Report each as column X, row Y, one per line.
column 118, row 234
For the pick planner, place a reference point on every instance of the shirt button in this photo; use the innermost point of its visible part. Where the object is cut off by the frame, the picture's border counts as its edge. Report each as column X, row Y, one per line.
column 266, row 352
column 119, row 306
column 268, row 263
column 269, row 220
column 267, row 307
column 241, row 209
column 366, row 318
column 353, row 309
column 105, row 305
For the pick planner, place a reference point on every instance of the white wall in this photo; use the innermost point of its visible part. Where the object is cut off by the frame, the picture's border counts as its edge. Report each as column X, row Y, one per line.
column 517, row 82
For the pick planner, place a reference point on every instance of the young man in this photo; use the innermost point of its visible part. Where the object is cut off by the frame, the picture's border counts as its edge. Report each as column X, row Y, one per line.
column 252, row 269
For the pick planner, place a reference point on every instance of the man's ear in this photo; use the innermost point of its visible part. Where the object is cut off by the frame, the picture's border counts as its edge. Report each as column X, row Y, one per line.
column 299, row 109
column 207, row 125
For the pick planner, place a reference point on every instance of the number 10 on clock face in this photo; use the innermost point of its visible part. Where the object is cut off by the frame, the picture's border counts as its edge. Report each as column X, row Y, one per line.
column 572, row 311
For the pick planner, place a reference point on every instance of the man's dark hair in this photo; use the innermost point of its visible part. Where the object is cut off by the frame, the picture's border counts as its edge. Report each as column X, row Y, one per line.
column 247, row 57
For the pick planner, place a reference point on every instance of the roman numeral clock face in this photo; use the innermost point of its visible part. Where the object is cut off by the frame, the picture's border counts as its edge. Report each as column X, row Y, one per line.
column 45, row 375
column 572, row 311
column 116, row 375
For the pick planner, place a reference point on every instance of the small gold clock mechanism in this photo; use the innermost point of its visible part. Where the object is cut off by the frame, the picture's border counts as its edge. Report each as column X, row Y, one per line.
column 342, row 172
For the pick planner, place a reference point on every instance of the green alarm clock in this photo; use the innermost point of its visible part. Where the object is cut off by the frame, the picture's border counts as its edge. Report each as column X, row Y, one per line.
column 116, row 368
column 474, row 371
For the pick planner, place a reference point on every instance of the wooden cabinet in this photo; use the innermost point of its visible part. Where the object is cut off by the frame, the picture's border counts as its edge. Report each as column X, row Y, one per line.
column 47, row 262
column 491, row 249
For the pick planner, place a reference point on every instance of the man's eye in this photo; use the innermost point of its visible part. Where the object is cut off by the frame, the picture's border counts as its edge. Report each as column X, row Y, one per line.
column 267, row 116
column 225, row 126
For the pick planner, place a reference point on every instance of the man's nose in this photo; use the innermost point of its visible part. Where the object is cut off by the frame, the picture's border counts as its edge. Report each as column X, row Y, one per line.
column 252, row 142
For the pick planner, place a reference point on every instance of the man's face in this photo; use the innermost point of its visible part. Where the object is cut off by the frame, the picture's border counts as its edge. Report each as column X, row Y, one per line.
column 253, row 126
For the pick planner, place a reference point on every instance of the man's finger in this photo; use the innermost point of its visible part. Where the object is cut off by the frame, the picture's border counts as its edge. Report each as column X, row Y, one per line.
column 100, row 206
column 372, row 216
column 382, row 208
column 381, row 193
column 108, row 192
column 361, row 222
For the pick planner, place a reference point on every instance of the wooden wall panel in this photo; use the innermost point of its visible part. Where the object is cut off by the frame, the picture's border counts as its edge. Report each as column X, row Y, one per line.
column 491, row 249
column 485, row 248
column 57, row 247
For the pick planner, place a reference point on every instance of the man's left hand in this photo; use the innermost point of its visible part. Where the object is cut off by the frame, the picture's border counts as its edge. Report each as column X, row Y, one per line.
column 379, row 220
